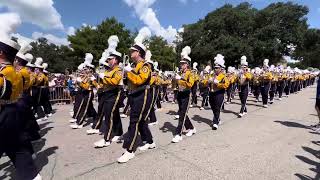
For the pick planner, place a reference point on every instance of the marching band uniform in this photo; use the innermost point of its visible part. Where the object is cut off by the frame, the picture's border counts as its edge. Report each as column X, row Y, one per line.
column 256, row 83
column 154, row 91
column 185, row 83
column 86, row 106
column 194, row 88
column 232, row 79
column 165, row 83
column 273, row 86
column 218, row 85
column 45, row 100
column 12, row 123
column 204, row 87
column 111, row 84
column 265, row 80
column 139, row 84
column 243, row 81
column 101, row 88
column 25, row 103
column 282, row 83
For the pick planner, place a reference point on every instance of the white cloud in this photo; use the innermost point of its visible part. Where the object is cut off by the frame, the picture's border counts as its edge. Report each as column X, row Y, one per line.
column 146, row 14
column 23, row 38
column 181, row 30
column 8, row 24
column 38, row 12
column 51, row 38
column 71, row 31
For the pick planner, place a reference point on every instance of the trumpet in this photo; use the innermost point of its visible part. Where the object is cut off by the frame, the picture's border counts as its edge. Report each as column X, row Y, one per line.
column 125, row 60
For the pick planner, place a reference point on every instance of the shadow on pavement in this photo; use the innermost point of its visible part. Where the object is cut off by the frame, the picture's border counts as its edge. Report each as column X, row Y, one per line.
column 293, row 124
column 172, row 112
column 200, row 119
column 168, row 127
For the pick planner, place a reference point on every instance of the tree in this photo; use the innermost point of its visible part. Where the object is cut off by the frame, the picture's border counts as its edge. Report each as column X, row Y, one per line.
column 95, row 40
column 309, row 51
column 243, row 30
column 58, row 57
column 162, row 52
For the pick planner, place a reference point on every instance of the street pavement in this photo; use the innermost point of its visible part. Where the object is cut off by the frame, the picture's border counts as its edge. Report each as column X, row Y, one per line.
column 273, row 143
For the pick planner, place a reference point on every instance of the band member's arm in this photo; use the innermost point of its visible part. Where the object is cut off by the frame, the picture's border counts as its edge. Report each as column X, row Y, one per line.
column 188, row 83
column 248, row 76
column 268, row 76
column 115, row 80
column 84, row 85
column 223, row 83
column 141, row 77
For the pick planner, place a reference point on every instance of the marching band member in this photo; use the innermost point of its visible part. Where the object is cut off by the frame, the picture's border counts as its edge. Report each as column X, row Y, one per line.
column 85, row 83
column 256, row 83
column 165, row 83
column 45, row 99
column 157, row 86
column 273, row 86
column 11, row 120
column 204, row 87
column 111, row 84
column 244, row 77
column 232, row 79
column 265, row 80
column 25, row 102
column 282, row 81
column 194, row 88
column 20, row 64
column 185, row 83
column 40, row 82
column 154, row 91
column 139, row 86
column 218, row 85
column 97, row 122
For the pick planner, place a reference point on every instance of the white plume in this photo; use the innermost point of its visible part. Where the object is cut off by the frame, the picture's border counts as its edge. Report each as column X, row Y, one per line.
column 25, row 46
column 195, row 64
column 144, row 34
column 266, row 62
column 29, row 57
column 113, row 42
column 185, row 51
column 148, row 55
column 219, row 60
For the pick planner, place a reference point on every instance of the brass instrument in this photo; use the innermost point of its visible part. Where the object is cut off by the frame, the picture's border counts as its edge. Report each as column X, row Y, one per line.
column 125, row 60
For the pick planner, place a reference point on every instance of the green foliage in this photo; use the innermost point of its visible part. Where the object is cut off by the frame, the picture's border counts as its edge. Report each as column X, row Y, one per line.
column 243, row 30
column 162, row 52
column 58, row 57
column 95, row 41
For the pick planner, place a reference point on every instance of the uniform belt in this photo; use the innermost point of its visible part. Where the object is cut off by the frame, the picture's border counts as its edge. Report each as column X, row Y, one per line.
column 6, row 102
column 139, row 89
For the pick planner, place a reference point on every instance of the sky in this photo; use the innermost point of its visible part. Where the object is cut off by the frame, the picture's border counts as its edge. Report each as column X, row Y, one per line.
column 56, row 19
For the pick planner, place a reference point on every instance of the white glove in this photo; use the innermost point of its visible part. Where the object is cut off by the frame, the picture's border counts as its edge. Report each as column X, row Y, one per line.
column 178, row 77
column 92, row 78
column 101, row 75
column 79, row 79
column 216, row 81
column 127, row 68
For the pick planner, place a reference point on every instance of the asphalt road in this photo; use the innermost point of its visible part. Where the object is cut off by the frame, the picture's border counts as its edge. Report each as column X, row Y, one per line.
column 273, row 143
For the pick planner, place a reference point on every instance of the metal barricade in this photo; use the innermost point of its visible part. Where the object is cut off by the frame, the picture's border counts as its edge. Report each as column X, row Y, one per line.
column 59, row 95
